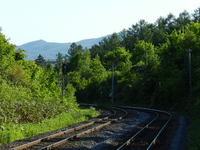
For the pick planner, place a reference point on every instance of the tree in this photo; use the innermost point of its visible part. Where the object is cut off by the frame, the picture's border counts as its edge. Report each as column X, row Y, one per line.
column 183, row 19
column 145, row 55
column 74, row 55
column 173, row 73
column 144, row 31
column 97, row 71
column 107, row 44
column 78, row 69
column 7, row 51
column 74, row 49
column 40, row 61
column 19, row 54
column 59, row 62
column 163, row 27
column 167, row 24
column 196, row 15
column 119, row 57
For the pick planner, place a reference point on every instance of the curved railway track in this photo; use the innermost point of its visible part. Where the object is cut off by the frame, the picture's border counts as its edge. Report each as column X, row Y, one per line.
column 55, row 140
column 145, row 137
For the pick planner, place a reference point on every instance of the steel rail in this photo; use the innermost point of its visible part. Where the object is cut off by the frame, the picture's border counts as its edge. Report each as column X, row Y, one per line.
column 123, row 111
column 63, row 141
column 72, row 130
column 68, row 131
column 57, row 144
column 137, row 133
column 146, row 126
column 160, row 131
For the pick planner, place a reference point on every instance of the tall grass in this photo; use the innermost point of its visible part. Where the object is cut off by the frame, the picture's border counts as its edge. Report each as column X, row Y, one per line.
column 11, row 132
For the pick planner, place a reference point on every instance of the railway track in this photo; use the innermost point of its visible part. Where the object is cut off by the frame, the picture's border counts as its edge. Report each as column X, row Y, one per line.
column 143, row 137
column 55, row 140
column 146, row 137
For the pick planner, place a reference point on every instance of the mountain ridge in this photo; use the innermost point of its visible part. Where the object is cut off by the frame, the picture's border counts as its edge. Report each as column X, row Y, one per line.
column 49, row 49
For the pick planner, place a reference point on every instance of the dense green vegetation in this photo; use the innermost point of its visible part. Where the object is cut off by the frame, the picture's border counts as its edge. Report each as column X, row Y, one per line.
column 149, row 63
column 13, row 131
column 30, row 97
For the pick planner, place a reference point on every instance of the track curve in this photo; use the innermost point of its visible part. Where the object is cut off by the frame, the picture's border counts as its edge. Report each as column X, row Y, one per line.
column 148, row 135
column 55, row 140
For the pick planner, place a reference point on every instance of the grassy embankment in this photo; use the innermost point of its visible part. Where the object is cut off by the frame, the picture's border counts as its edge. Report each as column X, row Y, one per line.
column 12, row 132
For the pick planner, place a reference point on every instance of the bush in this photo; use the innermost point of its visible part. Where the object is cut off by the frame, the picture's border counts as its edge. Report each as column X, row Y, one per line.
column 11, row 132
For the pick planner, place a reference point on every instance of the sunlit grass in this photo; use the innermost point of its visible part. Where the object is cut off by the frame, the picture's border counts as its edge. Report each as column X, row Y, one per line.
column 12, row 132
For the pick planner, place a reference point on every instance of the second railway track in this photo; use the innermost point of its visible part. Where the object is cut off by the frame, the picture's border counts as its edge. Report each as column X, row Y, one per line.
column 144, row 135
column 55, row 140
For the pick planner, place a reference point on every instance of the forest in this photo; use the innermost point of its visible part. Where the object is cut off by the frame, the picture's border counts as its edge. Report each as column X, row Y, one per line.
column 150, row 61
column 150, row 64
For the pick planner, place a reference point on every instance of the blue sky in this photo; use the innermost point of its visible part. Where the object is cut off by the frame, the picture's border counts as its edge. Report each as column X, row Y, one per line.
column 73, row 20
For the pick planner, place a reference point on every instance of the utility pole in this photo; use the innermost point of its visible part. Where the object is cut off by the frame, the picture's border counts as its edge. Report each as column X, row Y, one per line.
column 145, row 57
column 64, row 71
column 113, row 89
column 62, row 86
column 189, row 70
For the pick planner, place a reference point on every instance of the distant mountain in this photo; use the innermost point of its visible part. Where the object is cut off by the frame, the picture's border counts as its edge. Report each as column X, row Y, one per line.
column 50, row 49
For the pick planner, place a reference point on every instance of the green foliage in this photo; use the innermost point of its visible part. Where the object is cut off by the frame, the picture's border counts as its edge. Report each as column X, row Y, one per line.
column 19, row 54
column 151, row 69
column 145, row 54
column 196, row 15
column 97, row 71
column 17, row 75
column 86, row 71
column 70, row 94
column 119, row 57
column 30, row 95
column 40, row 60
column 107, row 44
column 59, row 62
column 151, row 63
column 11, row 132
column 74, row 49
column 173, row 80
